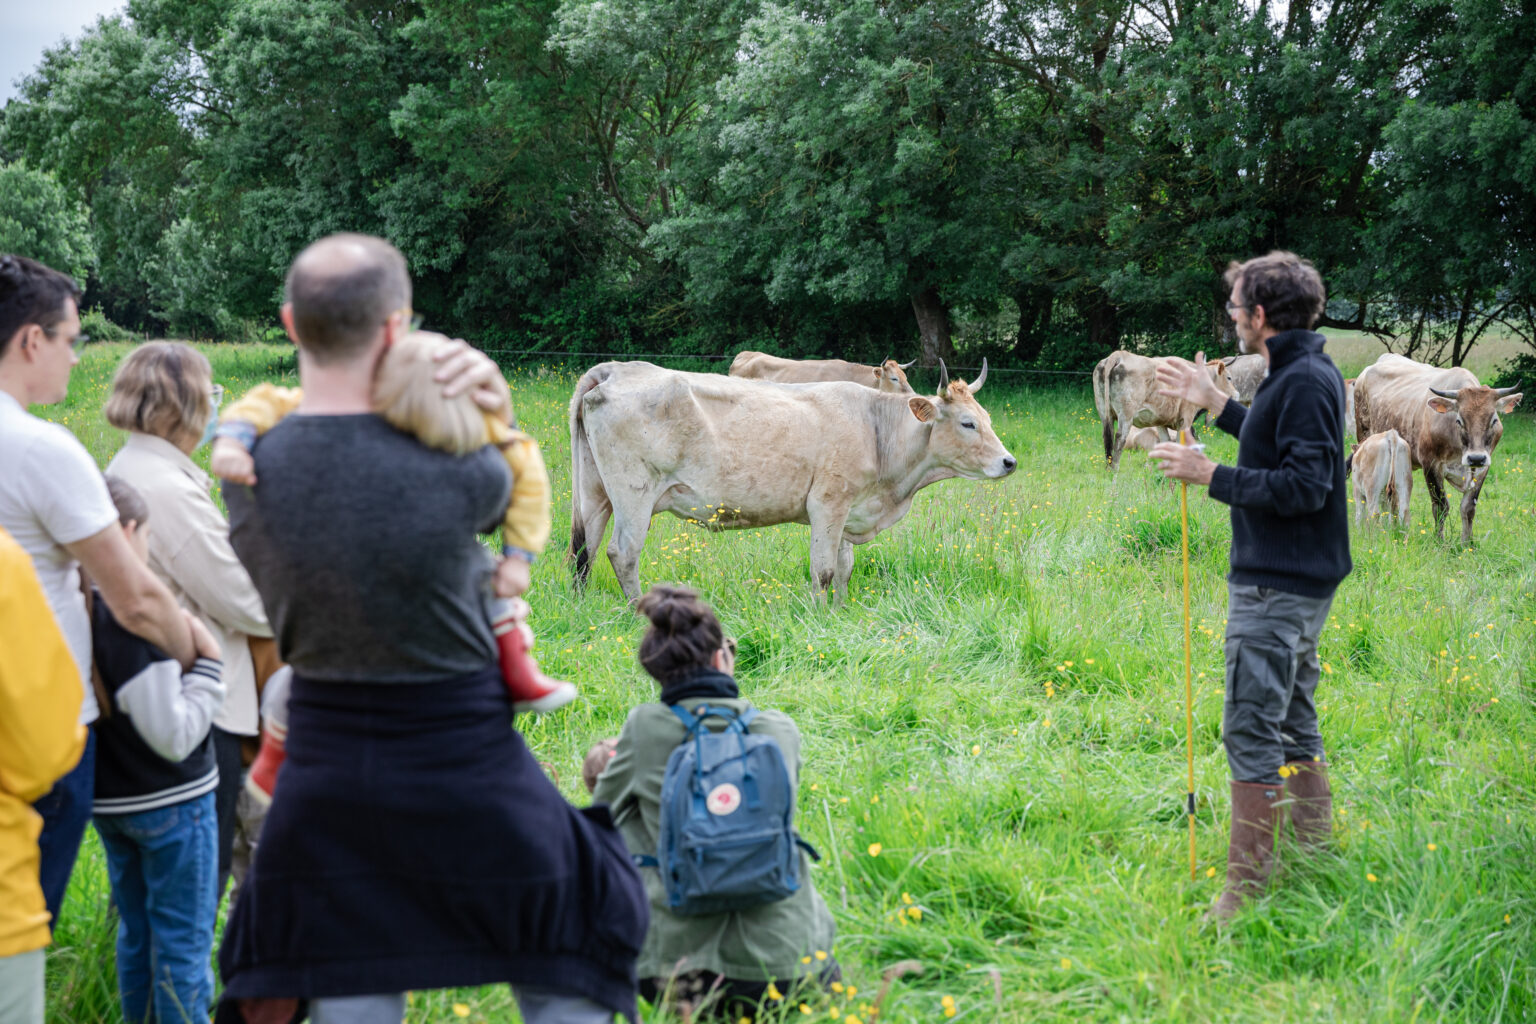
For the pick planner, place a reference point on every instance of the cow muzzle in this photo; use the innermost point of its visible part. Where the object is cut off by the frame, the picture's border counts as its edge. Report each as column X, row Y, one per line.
column 1005, row 465
column 1474, row 459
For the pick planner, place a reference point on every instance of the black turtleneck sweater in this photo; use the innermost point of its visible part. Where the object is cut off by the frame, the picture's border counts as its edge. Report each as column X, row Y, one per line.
column 1290, row 520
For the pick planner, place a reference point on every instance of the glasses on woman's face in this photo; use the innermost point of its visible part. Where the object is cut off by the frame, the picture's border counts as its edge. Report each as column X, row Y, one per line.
column 729, row 646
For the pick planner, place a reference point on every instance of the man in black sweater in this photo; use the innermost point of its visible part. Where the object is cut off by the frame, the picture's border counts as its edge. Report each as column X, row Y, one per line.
column 1290, row 549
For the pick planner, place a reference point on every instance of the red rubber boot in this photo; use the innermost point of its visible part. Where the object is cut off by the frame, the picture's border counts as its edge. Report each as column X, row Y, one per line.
column 531, row 689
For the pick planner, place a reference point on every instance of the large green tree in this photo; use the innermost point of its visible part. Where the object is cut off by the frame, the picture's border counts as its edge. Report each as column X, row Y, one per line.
column 40, row 221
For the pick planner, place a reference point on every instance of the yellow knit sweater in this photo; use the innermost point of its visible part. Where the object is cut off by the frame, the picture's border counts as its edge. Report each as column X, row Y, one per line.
column 526, row 524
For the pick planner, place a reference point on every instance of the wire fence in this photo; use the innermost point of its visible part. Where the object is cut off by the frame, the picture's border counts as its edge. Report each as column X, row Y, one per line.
column 542, row 354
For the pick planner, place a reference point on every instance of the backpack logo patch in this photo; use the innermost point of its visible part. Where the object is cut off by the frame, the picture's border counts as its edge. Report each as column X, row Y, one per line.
column 724, row 799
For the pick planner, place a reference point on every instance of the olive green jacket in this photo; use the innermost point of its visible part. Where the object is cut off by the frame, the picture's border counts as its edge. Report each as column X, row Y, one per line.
column 763, row 943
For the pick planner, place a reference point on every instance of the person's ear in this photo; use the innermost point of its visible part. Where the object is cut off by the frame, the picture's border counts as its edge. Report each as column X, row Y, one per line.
column 286, row 315
column 130, row 528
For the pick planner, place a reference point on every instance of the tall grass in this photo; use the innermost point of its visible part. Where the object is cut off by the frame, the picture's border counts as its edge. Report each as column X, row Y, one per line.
column 994, row 742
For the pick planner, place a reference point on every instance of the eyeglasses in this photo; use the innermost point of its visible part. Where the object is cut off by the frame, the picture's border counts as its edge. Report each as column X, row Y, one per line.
column 76, row 343
column 729, row 646
column 1238, row 305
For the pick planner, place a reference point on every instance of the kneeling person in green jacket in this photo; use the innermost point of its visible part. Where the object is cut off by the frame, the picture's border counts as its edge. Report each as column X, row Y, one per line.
column 727, row 963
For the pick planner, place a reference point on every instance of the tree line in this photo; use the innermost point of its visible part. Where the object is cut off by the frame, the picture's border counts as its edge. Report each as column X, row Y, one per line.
column 1038, row 181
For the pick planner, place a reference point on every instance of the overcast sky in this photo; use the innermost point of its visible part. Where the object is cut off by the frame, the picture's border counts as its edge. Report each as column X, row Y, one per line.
column 28, row 27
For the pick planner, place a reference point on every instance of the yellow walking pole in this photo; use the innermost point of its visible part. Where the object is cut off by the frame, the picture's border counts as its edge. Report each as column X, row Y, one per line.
column 1189, row 688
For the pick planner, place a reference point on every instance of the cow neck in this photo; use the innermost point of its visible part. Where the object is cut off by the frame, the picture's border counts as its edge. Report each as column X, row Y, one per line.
column 905, row 465
column 701, row 682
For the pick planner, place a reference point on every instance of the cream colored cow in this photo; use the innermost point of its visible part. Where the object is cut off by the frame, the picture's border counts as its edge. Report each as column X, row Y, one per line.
column 1381, row 467
column 728, row 453
column 889, row 376
column 1126, row 394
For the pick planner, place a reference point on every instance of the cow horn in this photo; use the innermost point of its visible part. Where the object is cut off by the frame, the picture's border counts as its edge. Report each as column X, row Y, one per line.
column 885, row 360
column 1446, row 394
column 981, row 378
column 943, row 377
column 907, row 366
column 1501, row 392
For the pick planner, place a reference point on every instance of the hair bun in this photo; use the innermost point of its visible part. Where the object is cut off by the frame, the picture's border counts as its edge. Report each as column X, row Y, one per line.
column 671, row 609
column 684, row 633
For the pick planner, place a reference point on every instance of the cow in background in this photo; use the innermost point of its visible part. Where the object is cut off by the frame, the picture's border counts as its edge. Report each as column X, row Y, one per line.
column 890, row 376
column 1450, row 421
column 1130, row 398
column 1246, row 372
column 1381, row 467
column 1349, row 405
column 728, row 453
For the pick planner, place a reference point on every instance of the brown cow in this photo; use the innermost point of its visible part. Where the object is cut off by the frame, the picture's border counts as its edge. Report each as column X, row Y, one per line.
column 730, row 454
column 1130, row 398
column 890, row 376
column 1381, row 466
column 1450, row 421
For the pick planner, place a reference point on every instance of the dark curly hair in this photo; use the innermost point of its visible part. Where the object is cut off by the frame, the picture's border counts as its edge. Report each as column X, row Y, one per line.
column 31, row 293
column 684, row 633
column 1288, row 287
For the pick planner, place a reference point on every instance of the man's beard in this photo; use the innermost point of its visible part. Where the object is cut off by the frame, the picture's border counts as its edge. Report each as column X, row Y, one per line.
column 1242, row 345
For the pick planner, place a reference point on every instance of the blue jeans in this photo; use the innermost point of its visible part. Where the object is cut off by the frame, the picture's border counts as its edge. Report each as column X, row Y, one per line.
column 164, row 867
column 65, row 810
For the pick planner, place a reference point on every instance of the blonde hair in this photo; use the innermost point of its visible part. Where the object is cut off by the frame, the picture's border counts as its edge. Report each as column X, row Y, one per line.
column 161, row 388
column 405, row 394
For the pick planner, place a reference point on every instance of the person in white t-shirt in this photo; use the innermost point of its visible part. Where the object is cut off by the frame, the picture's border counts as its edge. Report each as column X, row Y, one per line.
column 54, row 503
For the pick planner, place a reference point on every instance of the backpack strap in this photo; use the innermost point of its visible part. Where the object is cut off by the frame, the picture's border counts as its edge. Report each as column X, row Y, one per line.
column 645, row 860
column 807, row 847
column 693, row 721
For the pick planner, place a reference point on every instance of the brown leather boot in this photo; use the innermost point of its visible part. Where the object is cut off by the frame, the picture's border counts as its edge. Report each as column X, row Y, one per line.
column 1251, row 849
column 1311, row 802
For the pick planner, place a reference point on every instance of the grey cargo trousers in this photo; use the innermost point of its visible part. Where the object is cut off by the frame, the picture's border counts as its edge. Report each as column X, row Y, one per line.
column 1269, row 717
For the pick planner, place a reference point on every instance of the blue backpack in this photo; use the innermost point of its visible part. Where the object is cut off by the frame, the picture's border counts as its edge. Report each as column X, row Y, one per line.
column 727, row 839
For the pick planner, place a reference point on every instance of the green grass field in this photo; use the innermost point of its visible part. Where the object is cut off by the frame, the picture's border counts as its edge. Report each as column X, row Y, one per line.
column 995, row 741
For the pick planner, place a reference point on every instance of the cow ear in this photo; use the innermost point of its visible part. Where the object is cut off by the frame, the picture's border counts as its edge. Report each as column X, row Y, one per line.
column 879, row 372
column 1508, row 402
column 1441, row 404
column 923, row 408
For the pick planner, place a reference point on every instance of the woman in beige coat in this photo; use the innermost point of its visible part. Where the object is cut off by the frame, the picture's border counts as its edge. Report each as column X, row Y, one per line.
column 163, row 394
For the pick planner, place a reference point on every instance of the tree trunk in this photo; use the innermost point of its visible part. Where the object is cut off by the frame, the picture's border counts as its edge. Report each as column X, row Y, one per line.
column 933, row 322
column 1223, row 331
column 1464, row 314
column 1036, row 304
column 1103, row 322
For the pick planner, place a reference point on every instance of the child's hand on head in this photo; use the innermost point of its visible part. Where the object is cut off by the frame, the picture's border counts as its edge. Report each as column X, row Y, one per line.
column 512, row 577
column 229, row 461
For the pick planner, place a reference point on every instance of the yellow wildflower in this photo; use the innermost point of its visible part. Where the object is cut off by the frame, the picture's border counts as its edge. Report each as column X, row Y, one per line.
column 461, row 1009
column 874, row 849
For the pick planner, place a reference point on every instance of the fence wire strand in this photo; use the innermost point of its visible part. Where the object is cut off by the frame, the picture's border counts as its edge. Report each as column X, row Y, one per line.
column 572, row 356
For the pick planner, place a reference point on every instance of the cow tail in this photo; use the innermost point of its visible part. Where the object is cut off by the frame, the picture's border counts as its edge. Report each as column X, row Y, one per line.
column 1106, row 410
column 580, row 555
